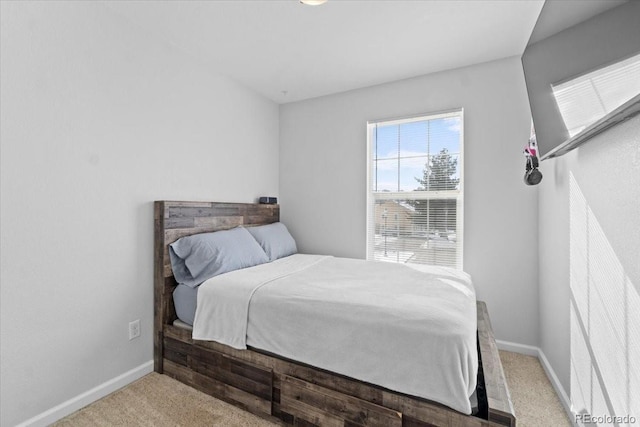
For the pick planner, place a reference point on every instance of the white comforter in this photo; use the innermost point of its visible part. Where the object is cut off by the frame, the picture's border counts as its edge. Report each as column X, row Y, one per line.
column 405, row 327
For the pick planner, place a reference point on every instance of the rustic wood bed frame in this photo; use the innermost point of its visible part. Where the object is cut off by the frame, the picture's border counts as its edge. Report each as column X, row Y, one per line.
column 283, row 390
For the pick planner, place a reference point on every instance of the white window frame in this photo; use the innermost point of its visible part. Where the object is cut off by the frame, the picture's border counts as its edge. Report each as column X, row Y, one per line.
column 372, row 196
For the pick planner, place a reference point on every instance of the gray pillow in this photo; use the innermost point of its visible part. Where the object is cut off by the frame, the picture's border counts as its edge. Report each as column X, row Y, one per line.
column 275, row 240
column 185, row 301
column 199, row 257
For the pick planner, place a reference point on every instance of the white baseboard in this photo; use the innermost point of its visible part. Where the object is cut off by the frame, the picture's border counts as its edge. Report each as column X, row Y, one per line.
column 529, row 350
column 551, row 374
column 555, row 382
column 70, row 406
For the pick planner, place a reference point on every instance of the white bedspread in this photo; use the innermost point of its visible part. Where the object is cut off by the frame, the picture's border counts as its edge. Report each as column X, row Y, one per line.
column 406, row 327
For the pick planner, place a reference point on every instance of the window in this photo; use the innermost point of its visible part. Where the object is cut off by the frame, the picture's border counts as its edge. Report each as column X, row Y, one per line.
column 588, row 98
column 415, row 190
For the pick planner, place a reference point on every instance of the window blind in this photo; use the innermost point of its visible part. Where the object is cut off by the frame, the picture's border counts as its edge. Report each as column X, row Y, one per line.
column 415, row 190
column 586, row 99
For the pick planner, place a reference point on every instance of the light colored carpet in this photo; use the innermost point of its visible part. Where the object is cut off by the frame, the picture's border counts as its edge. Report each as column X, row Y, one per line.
column 534, row 399
column 157, row 400
column 160, row 401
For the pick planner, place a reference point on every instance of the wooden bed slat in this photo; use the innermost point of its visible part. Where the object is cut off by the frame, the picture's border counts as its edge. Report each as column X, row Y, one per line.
column 500, row 405
column 347, row 408
column 279, row 389
column 218, row 389
column 430, row 412
column 310, row 413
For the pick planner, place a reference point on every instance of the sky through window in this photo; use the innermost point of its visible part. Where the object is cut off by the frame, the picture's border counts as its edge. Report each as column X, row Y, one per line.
column 402, row 151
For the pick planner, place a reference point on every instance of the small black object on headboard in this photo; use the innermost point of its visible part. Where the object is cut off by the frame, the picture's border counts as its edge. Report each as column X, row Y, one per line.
column 268, row 200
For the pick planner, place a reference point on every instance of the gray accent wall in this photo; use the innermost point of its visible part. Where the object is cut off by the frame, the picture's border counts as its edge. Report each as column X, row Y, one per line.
column 323, row 178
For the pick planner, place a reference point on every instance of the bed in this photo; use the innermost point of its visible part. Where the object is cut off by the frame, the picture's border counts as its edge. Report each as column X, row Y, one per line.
column 277, row 387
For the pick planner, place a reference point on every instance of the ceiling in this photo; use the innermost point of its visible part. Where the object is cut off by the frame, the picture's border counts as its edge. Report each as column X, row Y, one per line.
column 558, row 15
column 288, row 51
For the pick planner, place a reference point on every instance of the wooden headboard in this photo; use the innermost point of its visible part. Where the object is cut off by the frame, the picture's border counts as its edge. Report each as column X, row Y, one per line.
column 173, row 220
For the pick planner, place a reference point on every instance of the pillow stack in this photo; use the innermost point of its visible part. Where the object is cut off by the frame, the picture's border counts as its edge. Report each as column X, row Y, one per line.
column 199, row 257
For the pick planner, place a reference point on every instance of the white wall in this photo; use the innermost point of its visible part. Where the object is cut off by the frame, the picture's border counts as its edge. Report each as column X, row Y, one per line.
column 323, row 178
column 98, row 120
column 589, row 251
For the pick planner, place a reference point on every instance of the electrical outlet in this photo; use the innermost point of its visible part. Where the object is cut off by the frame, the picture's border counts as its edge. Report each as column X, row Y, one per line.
column 134, row 329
